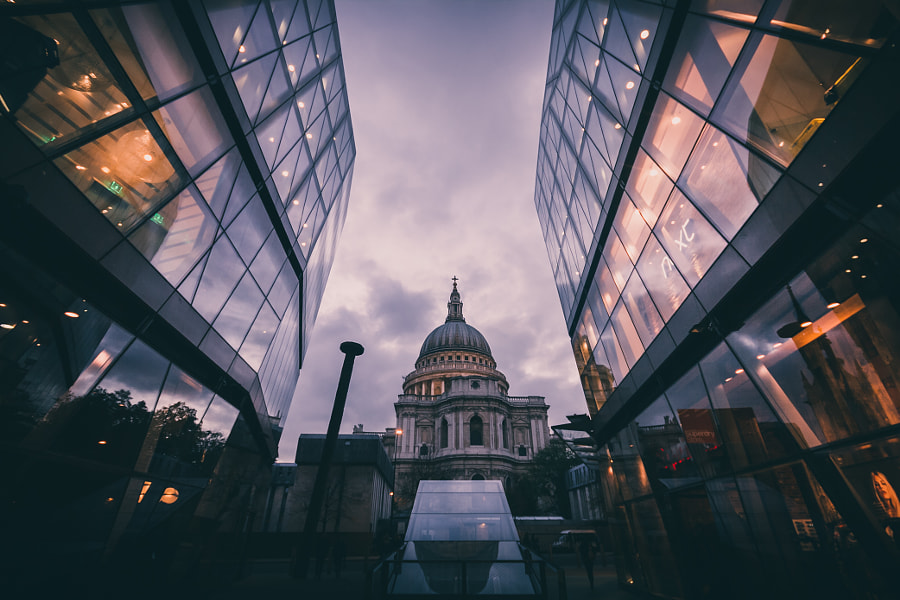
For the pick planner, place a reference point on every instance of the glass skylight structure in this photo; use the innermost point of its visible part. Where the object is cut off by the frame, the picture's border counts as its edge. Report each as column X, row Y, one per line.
column 716, row 193
column 175, row 177
column 462, row 541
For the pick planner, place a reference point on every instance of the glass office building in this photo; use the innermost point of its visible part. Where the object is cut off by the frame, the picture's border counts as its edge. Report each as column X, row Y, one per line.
column 718, row 192
column 175, row 177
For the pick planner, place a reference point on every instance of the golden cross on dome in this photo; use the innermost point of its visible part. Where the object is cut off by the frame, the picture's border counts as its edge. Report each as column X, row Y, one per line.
column 455, row 280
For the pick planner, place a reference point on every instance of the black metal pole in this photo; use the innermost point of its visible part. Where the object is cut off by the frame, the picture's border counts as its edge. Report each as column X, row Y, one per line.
column 351, row 350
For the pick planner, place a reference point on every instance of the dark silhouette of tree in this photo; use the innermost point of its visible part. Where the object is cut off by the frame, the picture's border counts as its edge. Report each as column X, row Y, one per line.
column 178, row 435
column 543, row 489
column 100, row 425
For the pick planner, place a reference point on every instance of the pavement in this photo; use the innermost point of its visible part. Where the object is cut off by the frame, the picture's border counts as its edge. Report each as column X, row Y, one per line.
column 270, row 579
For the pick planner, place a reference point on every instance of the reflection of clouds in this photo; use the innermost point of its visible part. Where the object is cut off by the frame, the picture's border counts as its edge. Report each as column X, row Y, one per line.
column 220, row 417
column 180, row 387
column 140, row 370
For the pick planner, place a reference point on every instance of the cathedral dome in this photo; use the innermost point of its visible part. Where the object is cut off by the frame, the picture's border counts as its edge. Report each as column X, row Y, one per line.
column 455, row 333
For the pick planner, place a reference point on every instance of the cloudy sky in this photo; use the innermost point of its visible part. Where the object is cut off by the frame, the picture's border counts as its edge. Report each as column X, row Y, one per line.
column 445, row 98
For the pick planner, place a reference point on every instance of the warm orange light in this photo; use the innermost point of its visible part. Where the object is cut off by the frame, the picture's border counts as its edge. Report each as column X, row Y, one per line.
column 169, row 496
column 242, row 49
column 833, row 305
column 645, row 34
column 805, row 324
column 738, row 371
column 391, row 494
column 143, row 491
column 398, row 431
column 629, row 85
column 102, row 442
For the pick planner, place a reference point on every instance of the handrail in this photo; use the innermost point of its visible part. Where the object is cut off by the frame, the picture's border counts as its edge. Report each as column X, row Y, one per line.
column 383, row 575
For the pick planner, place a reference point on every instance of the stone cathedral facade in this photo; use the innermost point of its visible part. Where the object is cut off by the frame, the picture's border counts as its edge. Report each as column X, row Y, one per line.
column 455, row 418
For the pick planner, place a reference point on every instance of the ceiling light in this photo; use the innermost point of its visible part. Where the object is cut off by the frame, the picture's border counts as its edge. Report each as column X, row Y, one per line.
column 805, row 324
column 69, row 313
column 645, row 34
column 864, row 240
column 242, row 49
column 833, row 305
column 676, row 120
column 105, row 169
column 629, row 85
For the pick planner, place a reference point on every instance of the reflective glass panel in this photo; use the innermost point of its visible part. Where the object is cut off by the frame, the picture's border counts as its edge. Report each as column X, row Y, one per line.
column 68, row 89
column 627, row 335
column 632, row 229
column 725, row 180
column 648, row 187
column 866, row 22
column 643, row 312
column 664, row 449
column 703, row 58
column 195, row 129
column 671, row 134
column 779, row 102
column 221, row 274
column 238, row 313
column 626, row 465
column 149, row 43
column 663, row 281
column 124, row 173
column 750, row 432
column 177, row 235
column 688, row 399
column 691, row 242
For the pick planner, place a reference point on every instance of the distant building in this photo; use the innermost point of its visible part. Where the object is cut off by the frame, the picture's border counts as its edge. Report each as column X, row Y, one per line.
column 585, row 494
column 358, row 490
column 455, row 419
column 174, row 178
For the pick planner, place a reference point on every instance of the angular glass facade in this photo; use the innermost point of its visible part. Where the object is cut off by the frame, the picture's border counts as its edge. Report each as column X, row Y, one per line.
column 720, row 208
column 176, row 176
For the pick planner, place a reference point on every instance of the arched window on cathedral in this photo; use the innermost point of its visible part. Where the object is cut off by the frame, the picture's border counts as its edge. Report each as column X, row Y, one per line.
column 477, row 477
column 444, row 433
column 423, row 451
column 522, row 450
column 476, row 431
column 505, row 434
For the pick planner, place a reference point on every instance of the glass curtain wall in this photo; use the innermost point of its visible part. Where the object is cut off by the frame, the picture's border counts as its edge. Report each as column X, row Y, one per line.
column 723, row 261
column 177, row 176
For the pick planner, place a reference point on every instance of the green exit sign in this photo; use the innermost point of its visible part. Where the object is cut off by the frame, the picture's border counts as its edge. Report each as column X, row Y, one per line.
column 115, row 187
column 158, row 219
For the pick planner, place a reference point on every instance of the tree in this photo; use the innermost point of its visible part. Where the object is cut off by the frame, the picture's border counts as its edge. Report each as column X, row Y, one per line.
column 542, row 490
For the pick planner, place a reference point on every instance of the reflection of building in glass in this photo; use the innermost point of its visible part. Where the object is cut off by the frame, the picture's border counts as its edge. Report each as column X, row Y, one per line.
column 455, row 419
column 720, row 206
column 175, row 178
